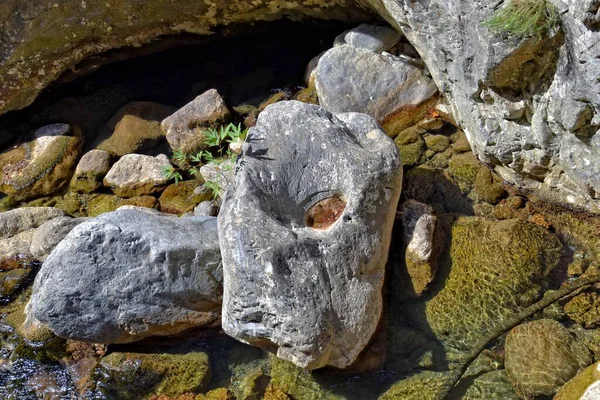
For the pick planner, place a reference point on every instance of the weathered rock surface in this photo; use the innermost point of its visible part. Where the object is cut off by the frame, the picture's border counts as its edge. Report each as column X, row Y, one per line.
column 50, row 234
column 17, row 229
column 185, row 128
column 305, row 232
column 541, row 356
column 137, row 175
column 42, row 42
column 581, row 384
column 43, row 165
column 91, row 169
column 529, row 107
column 134, row 273
column 394, row 92
column 135, row 128
column 370, row 37
column 419, row 221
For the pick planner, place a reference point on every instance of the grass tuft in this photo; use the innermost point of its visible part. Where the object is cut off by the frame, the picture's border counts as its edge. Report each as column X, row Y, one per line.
column 525, row 18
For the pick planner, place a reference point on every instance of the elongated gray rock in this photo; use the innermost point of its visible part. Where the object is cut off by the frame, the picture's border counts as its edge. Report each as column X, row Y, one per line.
column 130, row 274
column 393, row 91
column 370, row 37
column 305, row 232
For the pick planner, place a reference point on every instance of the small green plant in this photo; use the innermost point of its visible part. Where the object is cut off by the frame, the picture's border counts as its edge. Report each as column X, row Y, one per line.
column 214, row 187
column 525, row 18
column 172, row 173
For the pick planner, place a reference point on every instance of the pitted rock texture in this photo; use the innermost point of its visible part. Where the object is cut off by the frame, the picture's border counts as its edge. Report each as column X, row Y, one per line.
column 313, row 295
column 131, row 274
column 529, row 107
column 541, row 356
column 40, row 40
column 393, row 91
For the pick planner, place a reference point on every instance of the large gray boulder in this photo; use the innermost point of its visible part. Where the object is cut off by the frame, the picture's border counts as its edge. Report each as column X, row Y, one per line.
column 529, row 107
column 395, row 92
column 130, row 274
column 305, row 232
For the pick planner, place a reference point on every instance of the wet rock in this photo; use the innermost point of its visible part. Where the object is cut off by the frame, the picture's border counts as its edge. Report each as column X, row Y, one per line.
column 91, row 169
column 289, row 379
column 396, row 93
column 370, row 37
column 579, row 385
column 490, row 385
column 135, row 274
column 43, row 165
column 137, row 175
column 422, row 385
column 138, row 375
column 185, row 128
column 419, row 222
column 584, row 309
column 496, row 268
column 324, row 188
column 11, row 281
column 135, row 128
column 50, row 234
column 541, row 356
column 180, row 198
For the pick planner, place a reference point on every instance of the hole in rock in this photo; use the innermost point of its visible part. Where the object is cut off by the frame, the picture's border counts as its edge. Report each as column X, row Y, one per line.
column 325, row 213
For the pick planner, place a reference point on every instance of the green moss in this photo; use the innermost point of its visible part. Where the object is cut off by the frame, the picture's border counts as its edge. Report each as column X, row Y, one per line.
column 464, row 169
column 87, row 182
column 424, row 385
column 179, row 198
column 412, row 154
column 11, row 281
column 488, row 187
column 460, row 143
column 141, row 375
column 437, row 143
column 307, row 95
column 296, row 382
column 491, row 385
column 497, row 268
column 103, row 203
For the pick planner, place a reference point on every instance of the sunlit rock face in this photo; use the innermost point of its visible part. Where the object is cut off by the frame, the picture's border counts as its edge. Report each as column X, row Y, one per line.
column 529, row 107
column 305, row 232
column 40, row 40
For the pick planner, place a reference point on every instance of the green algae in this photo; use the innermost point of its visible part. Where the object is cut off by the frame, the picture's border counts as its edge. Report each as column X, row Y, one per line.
column 423, row 385
column 464, row 168
column 179, row 198
column 141, row 375
column 487, row 186
column 437, row 143
column 496, row 269
column 297, row 382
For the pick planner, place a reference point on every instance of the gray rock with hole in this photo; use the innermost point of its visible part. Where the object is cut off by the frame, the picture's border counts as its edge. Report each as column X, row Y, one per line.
column 312, row 295
column 130, row 274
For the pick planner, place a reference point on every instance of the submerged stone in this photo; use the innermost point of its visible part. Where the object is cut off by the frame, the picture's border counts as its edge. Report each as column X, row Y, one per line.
column 541, row 356
column 305, row 232
column 131, row 274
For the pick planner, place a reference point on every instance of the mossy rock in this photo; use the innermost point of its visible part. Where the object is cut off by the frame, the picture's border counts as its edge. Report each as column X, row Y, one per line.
column 297, row 382
column 541, row 356
column 103, row 203
column 576, row 387
column 141, row 375
column 412, row 154
column 490, row 385
column 308, row 95
column 464, row 169
column 91, row 169
column 424, row 385
column 460, row 143
column 43, row 165
column 584, row 309
column 488, row 186
column 11, row 281
column 437, row 143
column 216, row 394
column 135, row 128
column 179, row 198
column 496, row 270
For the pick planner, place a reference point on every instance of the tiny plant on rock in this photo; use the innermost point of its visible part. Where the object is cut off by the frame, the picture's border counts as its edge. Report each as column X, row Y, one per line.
column 218, row 153
column 525, row 18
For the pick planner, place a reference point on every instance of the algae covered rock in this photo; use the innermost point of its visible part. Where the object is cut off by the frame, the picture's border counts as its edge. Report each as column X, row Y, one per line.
column 137, row 175
column 422, row 385
column 541, row 356
column 142, row 375
column 297, row 382
column 135, row 273
column 91, row 169
column 180, row 198
column 42, row 165
column 576, row 387
column 103, row 203
column 135, row 128
column 324, row 189
column 497, row 269
column 490, row 385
